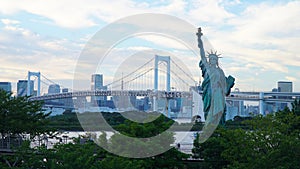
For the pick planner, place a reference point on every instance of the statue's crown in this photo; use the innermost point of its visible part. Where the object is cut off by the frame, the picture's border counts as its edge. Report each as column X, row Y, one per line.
column 213, row 54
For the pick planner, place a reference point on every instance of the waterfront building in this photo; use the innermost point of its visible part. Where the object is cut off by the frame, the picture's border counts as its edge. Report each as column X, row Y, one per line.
column 65, row 90
column 235, row 108
column 54, row 88
column 284, row 86
column 22, row 87
column 97, row 84
column 5, row 86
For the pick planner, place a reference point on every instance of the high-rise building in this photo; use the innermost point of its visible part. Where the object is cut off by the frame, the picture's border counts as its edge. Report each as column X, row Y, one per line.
column 97, row 82
column 284, row 86
column 54, row 88
column 65, row 90
column 5, row 86
column 22, row 87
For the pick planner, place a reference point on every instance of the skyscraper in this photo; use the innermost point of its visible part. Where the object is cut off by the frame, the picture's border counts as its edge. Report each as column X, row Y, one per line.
column 284, row 86
column 65, row 90
column 54, row 88
column 22, row 87
column 5, row 86
column 97, row 82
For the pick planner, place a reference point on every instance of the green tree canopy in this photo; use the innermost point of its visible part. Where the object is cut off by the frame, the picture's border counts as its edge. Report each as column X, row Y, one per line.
column 270, row 141
column 20, row 115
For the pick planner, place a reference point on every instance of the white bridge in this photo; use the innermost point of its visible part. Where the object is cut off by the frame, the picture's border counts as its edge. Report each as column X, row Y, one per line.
column 261, row 97
column 280, row 97
column 144, row 82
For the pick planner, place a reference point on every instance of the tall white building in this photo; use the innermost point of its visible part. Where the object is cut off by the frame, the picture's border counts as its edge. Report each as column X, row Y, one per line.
column 97, row 82
column 22, row 87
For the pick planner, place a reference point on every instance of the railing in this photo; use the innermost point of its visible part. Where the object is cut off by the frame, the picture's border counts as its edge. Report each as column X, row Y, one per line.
column 246, row 96
column 147, row 93
column 7, row 143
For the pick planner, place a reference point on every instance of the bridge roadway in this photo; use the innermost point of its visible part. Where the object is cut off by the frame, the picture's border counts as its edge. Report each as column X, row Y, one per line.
column 142, row 93
column 234, row 96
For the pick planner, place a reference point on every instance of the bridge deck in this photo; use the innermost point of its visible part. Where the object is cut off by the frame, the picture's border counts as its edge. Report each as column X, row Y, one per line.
column 246, row 96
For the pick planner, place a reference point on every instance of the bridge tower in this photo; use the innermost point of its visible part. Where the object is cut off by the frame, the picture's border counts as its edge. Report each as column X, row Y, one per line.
column 163, row 59
column 167, row 60
column 261, row 103
column 38, row 75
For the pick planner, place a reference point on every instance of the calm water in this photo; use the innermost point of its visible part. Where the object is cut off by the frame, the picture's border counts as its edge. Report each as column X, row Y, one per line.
column 185, row 139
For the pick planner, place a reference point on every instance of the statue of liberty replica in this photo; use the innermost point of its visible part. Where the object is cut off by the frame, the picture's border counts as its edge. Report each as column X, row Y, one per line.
column 215, row 86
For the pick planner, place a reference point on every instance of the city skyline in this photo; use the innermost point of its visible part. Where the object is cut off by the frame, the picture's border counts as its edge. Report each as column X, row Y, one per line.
column 258, row 40
column 56, row 88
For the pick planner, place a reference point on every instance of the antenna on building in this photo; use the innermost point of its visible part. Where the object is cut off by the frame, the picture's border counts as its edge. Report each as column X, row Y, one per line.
column 122, row 83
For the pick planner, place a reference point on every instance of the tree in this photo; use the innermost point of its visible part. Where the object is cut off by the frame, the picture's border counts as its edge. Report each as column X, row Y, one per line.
column 75, row 155
column 169, row 159
column 210, row 150
column 197, row 148
column 90, row 155
column 270, row 141
column 19, row 115
column 296, row 107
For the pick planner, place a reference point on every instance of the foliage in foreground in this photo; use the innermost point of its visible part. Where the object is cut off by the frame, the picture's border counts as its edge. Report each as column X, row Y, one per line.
column 262, row 142
column 266, row 142
column 19, row 115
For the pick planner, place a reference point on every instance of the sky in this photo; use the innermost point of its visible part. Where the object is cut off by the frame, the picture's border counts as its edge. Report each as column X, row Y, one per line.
column 259, row 40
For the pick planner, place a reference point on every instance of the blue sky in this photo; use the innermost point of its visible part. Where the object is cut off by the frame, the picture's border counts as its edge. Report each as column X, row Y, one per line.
column 259, row 40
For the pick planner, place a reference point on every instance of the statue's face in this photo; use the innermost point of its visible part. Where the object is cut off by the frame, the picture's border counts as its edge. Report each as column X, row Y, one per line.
column 213, row 60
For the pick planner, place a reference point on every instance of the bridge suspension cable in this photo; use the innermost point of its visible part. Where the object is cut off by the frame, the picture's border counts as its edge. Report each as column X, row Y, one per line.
column 183, row 71
column 52, row 82
column 129, row 74
column 174, row 80
column 137, row 76
column 142, row 77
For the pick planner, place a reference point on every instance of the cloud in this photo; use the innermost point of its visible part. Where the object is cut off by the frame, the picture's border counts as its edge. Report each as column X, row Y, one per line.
column 164, row 42
column 264, row 37
column 9, row 21
column 209, row 12
column 25, row 51
column 290, row 78
column 60, row 12
column 85, row 13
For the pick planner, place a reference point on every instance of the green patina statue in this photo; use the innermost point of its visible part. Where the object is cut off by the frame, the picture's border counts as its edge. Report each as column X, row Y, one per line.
column 215, row 85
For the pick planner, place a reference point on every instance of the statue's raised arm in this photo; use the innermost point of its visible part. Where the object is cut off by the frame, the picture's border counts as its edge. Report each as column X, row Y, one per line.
column 200, row 45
